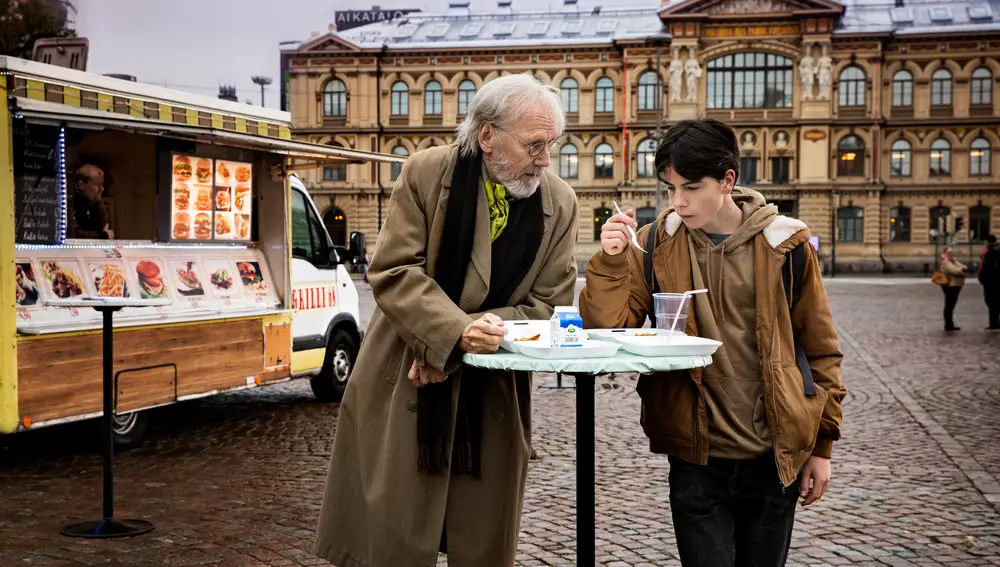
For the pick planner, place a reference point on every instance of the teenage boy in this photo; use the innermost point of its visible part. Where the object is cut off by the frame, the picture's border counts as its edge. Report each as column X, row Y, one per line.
column 754, row 431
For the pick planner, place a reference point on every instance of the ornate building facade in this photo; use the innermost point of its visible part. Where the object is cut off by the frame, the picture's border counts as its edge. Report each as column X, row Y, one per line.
column 874, row 121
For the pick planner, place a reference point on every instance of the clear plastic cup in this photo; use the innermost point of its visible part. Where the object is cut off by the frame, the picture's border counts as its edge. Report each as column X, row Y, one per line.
column 665, row 307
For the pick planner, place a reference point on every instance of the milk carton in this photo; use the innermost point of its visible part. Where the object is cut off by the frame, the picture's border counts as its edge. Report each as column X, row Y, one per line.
column 567, row 327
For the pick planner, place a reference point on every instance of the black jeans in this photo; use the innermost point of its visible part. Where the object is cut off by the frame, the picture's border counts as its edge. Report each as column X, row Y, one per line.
column 950, row 300
column 732, row 513
column 992, row 295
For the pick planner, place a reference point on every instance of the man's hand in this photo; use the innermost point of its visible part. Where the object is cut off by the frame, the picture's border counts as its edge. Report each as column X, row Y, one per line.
column 110, row 233
column 483, row 336
column 424, row 375
column 815, row 479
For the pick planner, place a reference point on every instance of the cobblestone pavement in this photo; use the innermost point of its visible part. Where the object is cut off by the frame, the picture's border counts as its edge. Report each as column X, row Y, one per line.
column 236, row 480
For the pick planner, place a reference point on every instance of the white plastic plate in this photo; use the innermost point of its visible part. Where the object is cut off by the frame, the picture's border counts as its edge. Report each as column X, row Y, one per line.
column 669, row 346
column 615, row 334
column 587, row 349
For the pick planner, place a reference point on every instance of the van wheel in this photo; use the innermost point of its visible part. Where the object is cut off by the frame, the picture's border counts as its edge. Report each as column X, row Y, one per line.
column 129, row 428
column 341, row 352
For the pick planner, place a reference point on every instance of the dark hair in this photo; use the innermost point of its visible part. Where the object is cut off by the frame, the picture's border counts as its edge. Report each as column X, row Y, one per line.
column 991, row 238
column 699, row 148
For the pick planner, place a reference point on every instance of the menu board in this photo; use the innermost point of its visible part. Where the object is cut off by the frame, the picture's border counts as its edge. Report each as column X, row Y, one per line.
column 210, row 199
column 37, row 191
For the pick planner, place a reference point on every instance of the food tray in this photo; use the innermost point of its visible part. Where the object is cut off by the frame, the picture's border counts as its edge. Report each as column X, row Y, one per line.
column 669, row 346
column 615, row 334
column 539, row 349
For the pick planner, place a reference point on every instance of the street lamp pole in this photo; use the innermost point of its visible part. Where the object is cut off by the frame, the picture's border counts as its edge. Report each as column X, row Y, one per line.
column 659, row 122
column 263, row 82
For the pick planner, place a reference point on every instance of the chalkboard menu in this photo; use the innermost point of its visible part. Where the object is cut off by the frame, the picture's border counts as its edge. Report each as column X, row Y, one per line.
column 38, row 206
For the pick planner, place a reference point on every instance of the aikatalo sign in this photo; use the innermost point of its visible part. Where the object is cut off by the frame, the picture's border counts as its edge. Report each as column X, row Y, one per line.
column 349, row 19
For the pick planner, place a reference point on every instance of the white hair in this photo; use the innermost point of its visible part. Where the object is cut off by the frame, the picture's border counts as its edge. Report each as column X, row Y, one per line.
column 502, row 102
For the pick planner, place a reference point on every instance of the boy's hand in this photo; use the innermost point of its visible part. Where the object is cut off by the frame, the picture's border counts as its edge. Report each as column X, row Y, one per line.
column 815, row 479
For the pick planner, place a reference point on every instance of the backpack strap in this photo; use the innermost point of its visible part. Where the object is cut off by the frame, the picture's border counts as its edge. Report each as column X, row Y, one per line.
column 792, row 276
column 647, row 265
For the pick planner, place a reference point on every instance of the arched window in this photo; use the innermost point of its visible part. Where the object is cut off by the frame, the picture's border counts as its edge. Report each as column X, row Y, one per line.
column 604, row 162
column 979, row 157
column 604, row 95
column 570, row 93
column 400, row 99
column 336, row 226
column 750, row 80
column 851, row 87
column 851, row 157
column 982, row 87
column 569, row 162
column 979, row 223
column 899, row 224
column 645, row 215
column 941, row 88
column 646, row 157
column 940, row 158
column 650, row 97
column 466, row 90
column 397, row 168
column 335, row 172
column 335, row 99
column 432, row 98
column 901, row 159
column 851, row 224
column 902, row 89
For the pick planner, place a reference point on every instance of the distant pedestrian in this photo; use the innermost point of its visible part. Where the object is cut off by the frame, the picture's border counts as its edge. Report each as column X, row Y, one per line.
column 955, row 271
column 989, row 276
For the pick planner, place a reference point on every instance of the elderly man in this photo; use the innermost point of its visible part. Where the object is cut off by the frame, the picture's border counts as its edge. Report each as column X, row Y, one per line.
column 431, row 455
column 90, row 218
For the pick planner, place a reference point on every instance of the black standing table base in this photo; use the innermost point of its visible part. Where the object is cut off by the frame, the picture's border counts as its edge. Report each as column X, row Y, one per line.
column 108, row 526
column 586, row 512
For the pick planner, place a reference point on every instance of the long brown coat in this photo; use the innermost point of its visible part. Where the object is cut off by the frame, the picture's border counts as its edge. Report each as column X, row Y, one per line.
column 378, row 511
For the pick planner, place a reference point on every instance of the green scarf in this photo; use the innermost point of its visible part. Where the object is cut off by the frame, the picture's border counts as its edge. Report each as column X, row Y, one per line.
column 496, row 196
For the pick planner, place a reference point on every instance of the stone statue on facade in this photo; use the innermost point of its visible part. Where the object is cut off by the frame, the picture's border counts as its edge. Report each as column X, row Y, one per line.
column 824, row 74
column 692, row 72
column 807, row 73
column 674, row 76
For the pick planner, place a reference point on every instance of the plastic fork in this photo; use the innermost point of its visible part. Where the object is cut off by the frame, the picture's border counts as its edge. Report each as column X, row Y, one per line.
column 635, row 241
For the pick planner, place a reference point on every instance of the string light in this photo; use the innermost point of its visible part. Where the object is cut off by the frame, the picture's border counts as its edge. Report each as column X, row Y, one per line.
column 63, row 200
column 142, row 246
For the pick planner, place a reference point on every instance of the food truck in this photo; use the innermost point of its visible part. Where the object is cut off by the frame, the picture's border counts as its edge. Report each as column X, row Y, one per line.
column 200, row 207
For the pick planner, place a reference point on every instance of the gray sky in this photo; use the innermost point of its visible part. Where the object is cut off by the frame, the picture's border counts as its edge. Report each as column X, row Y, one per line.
column 196, row 45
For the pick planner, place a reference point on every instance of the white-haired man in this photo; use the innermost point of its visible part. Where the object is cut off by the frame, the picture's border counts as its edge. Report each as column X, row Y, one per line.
column 430, row 455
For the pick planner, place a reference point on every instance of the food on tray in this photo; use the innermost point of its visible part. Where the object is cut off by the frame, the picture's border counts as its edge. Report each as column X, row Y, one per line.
column 203, row 202
column 182, row 225
column 641, row 334
column 182, row 197
column 531, row 338
column 150, row 280
column 243, row 226
column 204, row 171
column 222, row 199
column 111, row 282
column 253, row 279
column 182, row 168
column 242, row 174
column 221, row 279
column 189, row 279
column 223, row 170
column 26, row 287
column 242, row 194
column 202, row 226
column 65, row 282
column 222, row 225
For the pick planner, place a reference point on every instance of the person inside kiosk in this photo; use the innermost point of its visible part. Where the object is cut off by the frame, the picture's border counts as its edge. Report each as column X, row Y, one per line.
column 90, row 218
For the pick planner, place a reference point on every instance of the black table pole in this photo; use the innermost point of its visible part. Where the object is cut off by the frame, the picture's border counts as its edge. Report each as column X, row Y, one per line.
column 585, row 484
column 108, row 526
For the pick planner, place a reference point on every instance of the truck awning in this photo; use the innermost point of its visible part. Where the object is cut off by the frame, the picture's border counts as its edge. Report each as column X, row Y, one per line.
column 91, row 119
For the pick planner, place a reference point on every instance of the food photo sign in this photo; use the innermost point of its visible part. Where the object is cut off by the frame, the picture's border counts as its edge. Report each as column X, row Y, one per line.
column 211, row 199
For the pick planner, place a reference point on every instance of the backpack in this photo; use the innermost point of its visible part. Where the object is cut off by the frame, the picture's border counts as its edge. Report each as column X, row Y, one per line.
column 792, row 275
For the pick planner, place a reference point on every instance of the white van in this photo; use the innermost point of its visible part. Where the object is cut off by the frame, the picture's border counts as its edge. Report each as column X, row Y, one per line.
column 326, row 333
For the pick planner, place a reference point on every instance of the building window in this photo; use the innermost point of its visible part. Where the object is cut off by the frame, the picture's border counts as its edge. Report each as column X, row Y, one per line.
column 851, row 87
column 432, row 98
column 851, row 224
column 750, row 80
column 941, row 88
column 979, row 223
column 400, row 99
column 982, row 87
column 940, row 158
column 901, row 159
column 646, row 158
column 645, row 215
column 604, row 94
column 939, row 215
column 780, row 169
column 397, row 168
column 851, row 157
column 604, row 162
column 902, row 89
column 569, row 90
column 569, row 162
column 979, row 157
column 466, row 90
column 748, row 170
column 650, row 96
column 335, row 99
column 335, row 172
column 899, row 224
column 601, row 216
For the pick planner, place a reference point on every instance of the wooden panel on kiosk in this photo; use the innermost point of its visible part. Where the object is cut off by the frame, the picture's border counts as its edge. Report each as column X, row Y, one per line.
column 277, row 345
column 62, row 376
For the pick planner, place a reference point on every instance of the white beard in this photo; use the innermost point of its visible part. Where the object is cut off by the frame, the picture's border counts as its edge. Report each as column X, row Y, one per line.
column 500, row 168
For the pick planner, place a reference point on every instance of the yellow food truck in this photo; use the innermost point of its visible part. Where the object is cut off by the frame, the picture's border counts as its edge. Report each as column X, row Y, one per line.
column 112, row 188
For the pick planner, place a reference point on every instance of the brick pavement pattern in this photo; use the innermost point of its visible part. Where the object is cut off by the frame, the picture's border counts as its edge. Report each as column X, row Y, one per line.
column 236, row 480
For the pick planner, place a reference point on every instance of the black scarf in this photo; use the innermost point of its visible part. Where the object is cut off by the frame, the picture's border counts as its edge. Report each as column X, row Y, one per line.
column 454, row 258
